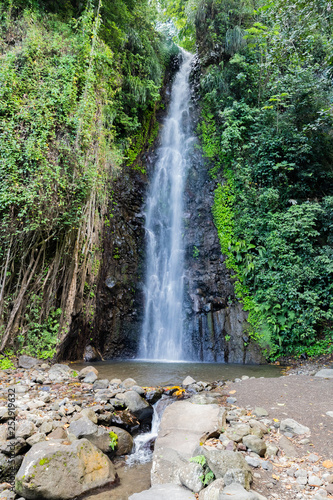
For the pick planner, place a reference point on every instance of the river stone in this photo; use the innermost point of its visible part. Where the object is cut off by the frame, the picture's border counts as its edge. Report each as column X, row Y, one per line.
column 125, row 441
column 260, row 412
column 14, row 447
column 181, row 428
column 25, row 429
column 190, row 476
column 90, row 414
column 56, row 471
column 8, row 495
column 236, row 492
column 258, row 428
column 325, row 373
column 188, row 381
column 237, row 432
column 59, row 372
column 90, row 378
column 221, row 461
column 128, row 383
column 27, row 362
column 36, row 438
column 98, row 436
column 3, row 433
column 202, row 399
column 255, row 444
column 290, row 425
column 213, row 491
column 164, row 492
column 136, row 404
column 84, row 372
column 100, row 384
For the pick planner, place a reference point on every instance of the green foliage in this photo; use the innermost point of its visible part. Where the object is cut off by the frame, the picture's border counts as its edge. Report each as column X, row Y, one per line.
column 113, row 440
column 266, row 130
column 196, row 252
column 208, row 475
column 6, row 364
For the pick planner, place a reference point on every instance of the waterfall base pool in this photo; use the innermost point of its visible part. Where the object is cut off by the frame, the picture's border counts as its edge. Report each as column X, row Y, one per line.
column 157, row 373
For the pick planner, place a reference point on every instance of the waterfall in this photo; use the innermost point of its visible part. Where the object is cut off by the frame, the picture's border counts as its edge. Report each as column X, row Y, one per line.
column 162, row 332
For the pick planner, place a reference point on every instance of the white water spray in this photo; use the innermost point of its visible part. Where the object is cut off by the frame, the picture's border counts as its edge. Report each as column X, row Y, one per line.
column 162, row 333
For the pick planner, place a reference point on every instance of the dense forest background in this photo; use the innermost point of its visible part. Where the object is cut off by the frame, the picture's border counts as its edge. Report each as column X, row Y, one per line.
column 80, row 84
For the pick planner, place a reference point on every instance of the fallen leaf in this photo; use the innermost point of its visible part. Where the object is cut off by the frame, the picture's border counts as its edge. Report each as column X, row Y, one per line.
column 288, row 486
column 276, row 477
column 276, row 419
column 328, row 464
column 232, row 392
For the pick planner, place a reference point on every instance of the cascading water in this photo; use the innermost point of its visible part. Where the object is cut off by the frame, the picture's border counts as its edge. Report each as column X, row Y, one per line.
column 162, row 333
column 143, row 443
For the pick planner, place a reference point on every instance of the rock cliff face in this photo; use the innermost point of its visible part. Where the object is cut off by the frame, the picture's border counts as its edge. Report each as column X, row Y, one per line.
column 214, row 320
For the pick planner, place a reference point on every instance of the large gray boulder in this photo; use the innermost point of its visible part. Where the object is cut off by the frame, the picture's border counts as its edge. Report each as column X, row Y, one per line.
column 59, row 470
column 182, row 426
column 222, row 462
column 325, row 373
column 237, row 492
column 58, row 373
column 88, row 369
column 164, row 492
column 27, row 362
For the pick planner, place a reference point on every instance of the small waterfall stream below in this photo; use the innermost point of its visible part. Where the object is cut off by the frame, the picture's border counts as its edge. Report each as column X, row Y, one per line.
column 162, row 332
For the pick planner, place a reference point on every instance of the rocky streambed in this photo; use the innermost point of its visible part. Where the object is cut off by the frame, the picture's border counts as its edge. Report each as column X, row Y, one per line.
column 73, row 430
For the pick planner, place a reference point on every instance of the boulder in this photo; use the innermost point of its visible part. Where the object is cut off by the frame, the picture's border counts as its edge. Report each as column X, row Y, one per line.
column 36, row 438
column 325, row 373
column 58, row 470
column 258, row 428
column 190, row 475
column 100, row 384
column 98, row 436
column 136, row 405
column 255, row 444
column 290, row 425
column 90, row 414
column 212, row 492
column 128, row 383
column 90, row 378
column 260, row 412
column 27, row 362
column 164, row 492
column 237, row 432
column 125, row 441
column 58, row 373
column 25, row 429
column 221, row 461
column 188, row 381
column 9, row 467
column 237, row 492
column 182, row 426
column 84, row 372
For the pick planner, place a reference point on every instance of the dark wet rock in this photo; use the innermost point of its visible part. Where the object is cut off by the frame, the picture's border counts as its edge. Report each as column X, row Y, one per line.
column 154, row 395
column 137, row 405
column 91, row 354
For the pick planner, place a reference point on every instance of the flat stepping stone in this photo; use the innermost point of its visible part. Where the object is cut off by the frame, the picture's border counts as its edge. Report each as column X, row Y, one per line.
column 325, row 373
column 164, row 492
